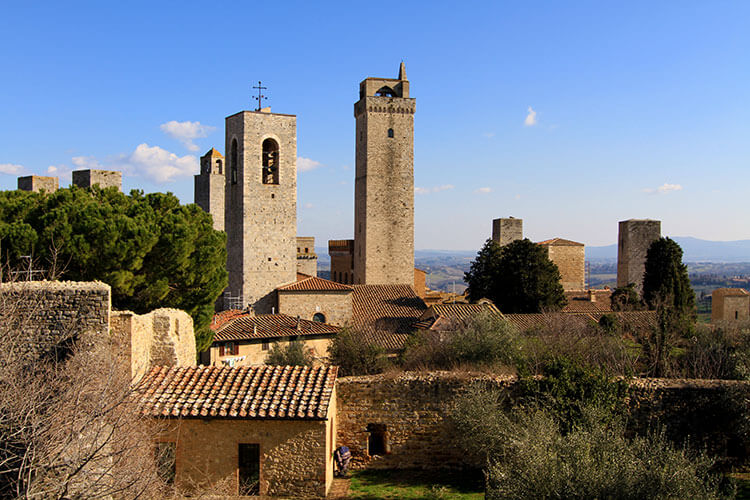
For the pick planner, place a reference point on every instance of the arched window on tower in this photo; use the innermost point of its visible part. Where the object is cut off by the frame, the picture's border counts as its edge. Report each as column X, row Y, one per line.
column 270, row 171
column 385, row 91
column 234, row 158
column 390, row 133
column 219, row 169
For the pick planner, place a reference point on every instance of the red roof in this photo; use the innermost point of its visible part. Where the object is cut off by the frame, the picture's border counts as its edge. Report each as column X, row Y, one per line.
column 308, row 283
column 245, row 392
column 446, row 316
column 268, row 326
column 220, row 318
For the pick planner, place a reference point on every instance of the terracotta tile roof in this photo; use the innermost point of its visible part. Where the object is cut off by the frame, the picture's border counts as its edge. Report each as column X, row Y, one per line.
column 220, row 318
column 633, row 320
column 561, row 242
column 386, row 308
column 445, row 316
column 268, row 326
column 213, row 152
column 308, row 283
column 579, row 301
column 730, row 292
column 245, row 392
column 390, row 342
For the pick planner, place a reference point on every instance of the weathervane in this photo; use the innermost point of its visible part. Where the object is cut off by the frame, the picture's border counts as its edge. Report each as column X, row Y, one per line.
column 260, row 96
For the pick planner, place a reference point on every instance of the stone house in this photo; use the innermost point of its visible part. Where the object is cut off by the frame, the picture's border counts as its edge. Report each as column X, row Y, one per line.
column 569, row 257
column 730, row 304
column 316, row 299
column 246, row 339
column 262, row 430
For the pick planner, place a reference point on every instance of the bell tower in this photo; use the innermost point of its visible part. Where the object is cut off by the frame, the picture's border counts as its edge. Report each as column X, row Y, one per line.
column 261, row 205
column 384, row 182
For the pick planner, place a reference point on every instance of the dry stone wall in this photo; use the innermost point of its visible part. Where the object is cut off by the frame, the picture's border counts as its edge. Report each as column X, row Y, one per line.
column 412, row 410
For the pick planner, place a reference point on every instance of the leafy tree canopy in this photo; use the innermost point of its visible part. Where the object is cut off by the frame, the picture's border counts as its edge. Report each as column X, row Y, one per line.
column 518, row 278
column 151, row 250
column 625, row 298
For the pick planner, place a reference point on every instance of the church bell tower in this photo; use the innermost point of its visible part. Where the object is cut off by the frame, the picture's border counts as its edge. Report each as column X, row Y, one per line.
column 384, row 183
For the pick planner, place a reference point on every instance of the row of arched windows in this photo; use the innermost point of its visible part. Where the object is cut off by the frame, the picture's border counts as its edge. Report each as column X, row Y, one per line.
column 345, row 278
column 269, row 162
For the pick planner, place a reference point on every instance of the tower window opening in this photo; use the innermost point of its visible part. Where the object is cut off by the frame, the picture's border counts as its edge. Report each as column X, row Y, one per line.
column 390, row 133
column 233, row 158
column 385, row 91
column 319, row 318
column 219, row 167
column 270, row 171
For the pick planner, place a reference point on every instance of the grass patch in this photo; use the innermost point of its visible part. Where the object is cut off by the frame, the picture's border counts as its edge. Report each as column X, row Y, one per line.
column 416, row 484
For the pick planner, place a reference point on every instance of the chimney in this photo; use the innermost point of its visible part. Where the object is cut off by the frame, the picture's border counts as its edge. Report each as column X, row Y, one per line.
column 299, row 327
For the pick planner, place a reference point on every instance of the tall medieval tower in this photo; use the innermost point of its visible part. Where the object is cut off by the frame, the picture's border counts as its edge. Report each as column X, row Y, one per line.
column 384, row 183
column 261, row 205
column 210, row 185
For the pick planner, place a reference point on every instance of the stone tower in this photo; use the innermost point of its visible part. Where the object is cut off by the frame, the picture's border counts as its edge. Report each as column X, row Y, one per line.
column 506, row 231
column 260, row 214
column 104, row 178
column 384, row 183
column 210, row 185
column 634, row 238
column 38, row 183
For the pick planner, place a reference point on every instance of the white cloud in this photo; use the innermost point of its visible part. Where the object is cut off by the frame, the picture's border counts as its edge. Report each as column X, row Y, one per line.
column 185, row 132
column 85, row 163
column 664, row 189
column 433, row 189
column 157, row 164
column 306, row 164
column 12, row 169
column 530, row 120
column 483, row 190
column 308, row 205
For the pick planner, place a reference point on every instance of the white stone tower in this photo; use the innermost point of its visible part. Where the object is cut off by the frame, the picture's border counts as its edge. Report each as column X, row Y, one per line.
column 261, row 205
column 384, row 183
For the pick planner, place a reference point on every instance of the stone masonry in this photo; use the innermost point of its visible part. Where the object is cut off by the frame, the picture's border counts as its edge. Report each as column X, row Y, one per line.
column 104, row 178
column 570, row 259
column 38, row 183
column 335, row 305
column 210, row 185
column 730, row 305
column 261, row 205
column 634, row 239
column 307, row 259
column 163, row 337
column 384, row 183
column 507, row 230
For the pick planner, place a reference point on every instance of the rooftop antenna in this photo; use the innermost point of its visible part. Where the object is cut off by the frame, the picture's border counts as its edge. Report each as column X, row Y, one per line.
column 260, row 96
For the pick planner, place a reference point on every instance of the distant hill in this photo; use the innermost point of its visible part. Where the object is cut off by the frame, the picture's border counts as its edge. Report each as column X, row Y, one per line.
column 694, row 250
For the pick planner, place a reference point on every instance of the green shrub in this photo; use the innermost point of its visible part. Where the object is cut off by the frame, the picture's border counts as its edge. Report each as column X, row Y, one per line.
column 292, row 354
column 355, row 356
column 485, row 340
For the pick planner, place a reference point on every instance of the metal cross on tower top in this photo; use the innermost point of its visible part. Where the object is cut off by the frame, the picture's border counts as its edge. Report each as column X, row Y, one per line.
column 260, row 96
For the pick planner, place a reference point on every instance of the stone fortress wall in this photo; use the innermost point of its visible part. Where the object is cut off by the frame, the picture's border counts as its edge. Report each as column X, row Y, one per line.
column 409, row 411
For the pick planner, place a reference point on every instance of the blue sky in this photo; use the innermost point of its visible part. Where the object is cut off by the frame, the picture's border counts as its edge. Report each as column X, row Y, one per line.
column 570, row 115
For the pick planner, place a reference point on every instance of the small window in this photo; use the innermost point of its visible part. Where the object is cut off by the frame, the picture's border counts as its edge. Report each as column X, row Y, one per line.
column 390, row 132
column 165, row 461
column 319, row 318
column 736, row 314
column 307, row 250
column 377, row 442
column 264, row 345
column 218, row 167
column 234, row 158
column 230, row 349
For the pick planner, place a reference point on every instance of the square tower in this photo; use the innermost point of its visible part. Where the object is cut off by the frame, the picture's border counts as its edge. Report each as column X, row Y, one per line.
column 384, row 182
column 260, row 214
column 633, row 241
column 506, row 231
column 104, row 178
column 210, row 185
column 38, row 183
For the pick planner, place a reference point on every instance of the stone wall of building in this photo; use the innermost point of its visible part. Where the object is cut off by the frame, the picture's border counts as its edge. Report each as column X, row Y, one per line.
column 260, row 217
column 336, row 306
column 342, row 261
column 104, row 178
column 38, row 183
column 255, row 351
column 384, row 183
column 296, row 457
column 571, row 261
column 507, row 230
column 634, row 239
column 163, row 337
column 730, row 305
column 412, row 410
column 49, row 313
